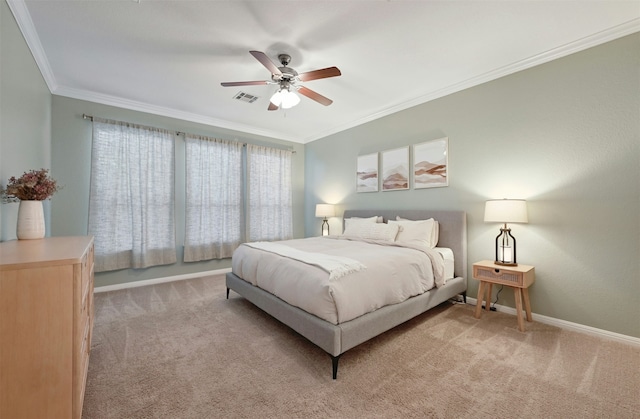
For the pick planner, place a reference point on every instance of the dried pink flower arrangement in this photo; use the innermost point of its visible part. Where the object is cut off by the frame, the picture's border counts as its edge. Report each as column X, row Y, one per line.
column 34, row 185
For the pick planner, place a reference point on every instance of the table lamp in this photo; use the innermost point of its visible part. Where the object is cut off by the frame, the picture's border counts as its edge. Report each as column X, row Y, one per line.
column 506, row 211
column 325, row 210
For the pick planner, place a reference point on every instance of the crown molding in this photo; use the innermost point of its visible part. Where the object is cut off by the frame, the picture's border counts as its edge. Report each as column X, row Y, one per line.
column 133, row 105
column 23, row 18
column 596, row 39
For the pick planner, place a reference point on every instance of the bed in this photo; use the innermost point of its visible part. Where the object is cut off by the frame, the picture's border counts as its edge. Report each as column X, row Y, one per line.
column 337, row 337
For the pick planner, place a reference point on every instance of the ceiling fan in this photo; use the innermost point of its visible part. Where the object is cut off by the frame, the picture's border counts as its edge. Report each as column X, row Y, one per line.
column 287, row 79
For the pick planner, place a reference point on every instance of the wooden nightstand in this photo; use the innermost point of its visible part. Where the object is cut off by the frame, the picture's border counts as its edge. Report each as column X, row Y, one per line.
column 517, row 277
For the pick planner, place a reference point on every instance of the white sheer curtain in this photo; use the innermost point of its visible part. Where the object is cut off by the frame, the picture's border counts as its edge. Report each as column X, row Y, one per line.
column 270, row 202
column 214, row 207
column 131, row 202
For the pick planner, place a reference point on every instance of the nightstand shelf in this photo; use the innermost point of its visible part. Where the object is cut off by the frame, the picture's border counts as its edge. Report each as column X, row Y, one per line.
column 518, row 277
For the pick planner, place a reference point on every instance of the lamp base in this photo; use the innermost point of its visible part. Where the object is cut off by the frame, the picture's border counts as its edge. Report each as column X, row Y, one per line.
column 325, row 227
column 497, row 262
column 505, row 248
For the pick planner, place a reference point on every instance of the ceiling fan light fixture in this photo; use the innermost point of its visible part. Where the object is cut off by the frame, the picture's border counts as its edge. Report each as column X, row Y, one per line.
column 290, row 100
column 284, row 98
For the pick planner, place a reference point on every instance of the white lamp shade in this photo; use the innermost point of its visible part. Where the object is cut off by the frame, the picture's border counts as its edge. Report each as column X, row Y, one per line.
column 506, row 211
column 285, row 99
column 325, row 210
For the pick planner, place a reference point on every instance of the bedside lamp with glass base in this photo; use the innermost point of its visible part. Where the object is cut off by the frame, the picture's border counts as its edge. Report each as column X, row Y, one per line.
column 325, row 210
column 506, row 211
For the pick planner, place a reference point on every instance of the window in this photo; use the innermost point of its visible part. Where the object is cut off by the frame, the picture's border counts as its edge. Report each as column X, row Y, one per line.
column 270, row 202
column 131, row 203
column 214, row 204
column 132, row 196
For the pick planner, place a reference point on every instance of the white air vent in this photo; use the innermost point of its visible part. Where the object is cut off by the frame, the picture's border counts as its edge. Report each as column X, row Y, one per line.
column 245, row 97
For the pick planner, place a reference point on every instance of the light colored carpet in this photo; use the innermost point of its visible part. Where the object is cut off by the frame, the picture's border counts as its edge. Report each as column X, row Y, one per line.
column 181, row 350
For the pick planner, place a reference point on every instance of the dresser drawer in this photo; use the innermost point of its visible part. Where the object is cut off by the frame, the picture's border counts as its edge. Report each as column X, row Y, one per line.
column 81, row 367
column 84, row 348
column 86, row 294
column 85, row 272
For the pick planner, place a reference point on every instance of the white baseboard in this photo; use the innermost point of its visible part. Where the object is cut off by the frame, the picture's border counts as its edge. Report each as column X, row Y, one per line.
column 576, row 327
column 154, row 281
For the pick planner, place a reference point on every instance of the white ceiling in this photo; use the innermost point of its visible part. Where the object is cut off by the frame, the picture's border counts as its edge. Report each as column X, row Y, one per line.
column 169, row 57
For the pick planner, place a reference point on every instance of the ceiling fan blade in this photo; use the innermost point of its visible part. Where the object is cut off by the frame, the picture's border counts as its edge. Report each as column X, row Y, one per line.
column 244, row 83
column 272, row 107
column 265, row 61
column 315, row 96
column 320, row 74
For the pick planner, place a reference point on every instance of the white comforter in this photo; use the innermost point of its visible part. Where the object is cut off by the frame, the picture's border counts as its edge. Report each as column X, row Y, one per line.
column 391, row 274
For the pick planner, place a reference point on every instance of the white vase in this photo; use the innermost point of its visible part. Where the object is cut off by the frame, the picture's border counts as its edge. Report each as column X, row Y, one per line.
column 30, row 220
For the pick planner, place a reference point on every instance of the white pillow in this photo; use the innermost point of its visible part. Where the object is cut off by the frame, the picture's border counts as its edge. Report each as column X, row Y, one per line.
column 435, row 233
column 374, row 219
column 372, row 231
column 421, row 231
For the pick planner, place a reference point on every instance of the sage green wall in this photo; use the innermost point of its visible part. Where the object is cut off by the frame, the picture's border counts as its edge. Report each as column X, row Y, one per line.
column 71, row 160
column 25, row 116
column 565, row 136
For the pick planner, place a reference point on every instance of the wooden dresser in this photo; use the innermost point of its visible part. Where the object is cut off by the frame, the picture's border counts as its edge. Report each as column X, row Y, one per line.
column 46, row 322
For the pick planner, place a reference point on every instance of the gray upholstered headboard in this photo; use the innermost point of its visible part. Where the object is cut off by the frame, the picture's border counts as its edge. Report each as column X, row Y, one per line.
column 453, row 229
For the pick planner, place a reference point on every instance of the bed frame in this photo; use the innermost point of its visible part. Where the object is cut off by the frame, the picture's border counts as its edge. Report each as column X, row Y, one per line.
column 337, row 339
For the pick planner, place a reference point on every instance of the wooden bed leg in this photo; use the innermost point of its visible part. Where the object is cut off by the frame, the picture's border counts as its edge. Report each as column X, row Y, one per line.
column 334, row 362
column 227, row 293
column 464, row 297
